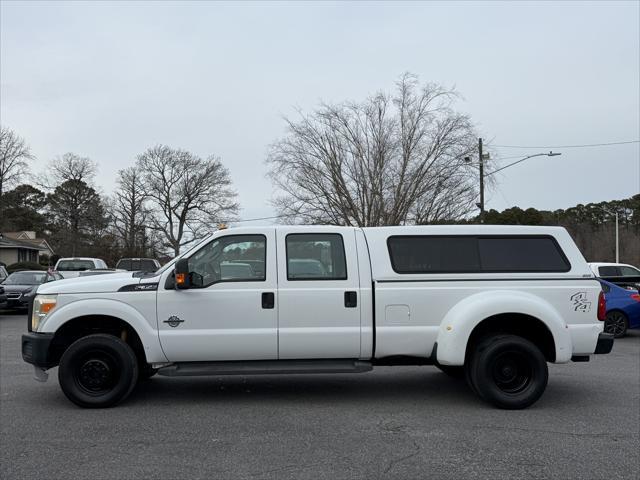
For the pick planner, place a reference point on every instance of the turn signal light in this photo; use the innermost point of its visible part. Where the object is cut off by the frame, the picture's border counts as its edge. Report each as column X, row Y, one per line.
column 181, row 278
column 46, row 307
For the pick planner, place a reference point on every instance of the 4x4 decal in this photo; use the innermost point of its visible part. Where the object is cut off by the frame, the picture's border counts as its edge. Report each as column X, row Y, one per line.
column 580, row 302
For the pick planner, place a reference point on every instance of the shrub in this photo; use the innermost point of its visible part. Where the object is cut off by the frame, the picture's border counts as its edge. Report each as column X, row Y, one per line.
column 16, row 267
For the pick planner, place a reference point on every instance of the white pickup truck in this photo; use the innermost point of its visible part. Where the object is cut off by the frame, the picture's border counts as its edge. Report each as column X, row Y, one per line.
column 74, row 266
column 493, row 304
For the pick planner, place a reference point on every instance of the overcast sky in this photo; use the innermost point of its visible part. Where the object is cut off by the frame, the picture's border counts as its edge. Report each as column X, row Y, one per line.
column 109, row 80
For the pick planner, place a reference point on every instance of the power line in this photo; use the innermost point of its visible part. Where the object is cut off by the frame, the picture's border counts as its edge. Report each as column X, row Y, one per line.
column 512, row 157
column 569, row 146
column 243, row 220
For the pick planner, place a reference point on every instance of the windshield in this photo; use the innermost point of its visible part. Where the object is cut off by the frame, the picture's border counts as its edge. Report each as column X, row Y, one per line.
column 74, row 265
column 26, row 278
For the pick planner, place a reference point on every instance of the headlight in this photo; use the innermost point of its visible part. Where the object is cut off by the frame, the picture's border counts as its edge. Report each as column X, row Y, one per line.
column 42, row 305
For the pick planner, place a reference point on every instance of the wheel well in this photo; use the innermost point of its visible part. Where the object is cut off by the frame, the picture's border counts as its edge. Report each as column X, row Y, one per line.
column 526, row 326
column 89, row 324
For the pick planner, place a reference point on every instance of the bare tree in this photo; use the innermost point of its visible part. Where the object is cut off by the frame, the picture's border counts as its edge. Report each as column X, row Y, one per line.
column 14, row 157
column 71, row 166
column 129, row 211
column 186, row 193
column 393, row 159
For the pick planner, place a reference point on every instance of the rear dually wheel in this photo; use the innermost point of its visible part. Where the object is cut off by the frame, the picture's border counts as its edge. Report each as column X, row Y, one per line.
column 507, row 371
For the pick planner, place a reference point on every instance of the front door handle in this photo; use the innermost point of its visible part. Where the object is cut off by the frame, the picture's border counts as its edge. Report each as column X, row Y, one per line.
column 350, row 299
column 268, row 300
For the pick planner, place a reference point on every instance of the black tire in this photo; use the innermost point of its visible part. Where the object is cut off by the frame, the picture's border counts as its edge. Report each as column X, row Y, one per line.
column 98, row 371
column 467, row 372
column 452, row 370
column 508, row 371
column 616, row 323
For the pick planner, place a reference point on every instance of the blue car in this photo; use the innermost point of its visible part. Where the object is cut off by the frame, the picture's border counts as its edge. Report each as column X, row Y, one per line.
column 623, row 309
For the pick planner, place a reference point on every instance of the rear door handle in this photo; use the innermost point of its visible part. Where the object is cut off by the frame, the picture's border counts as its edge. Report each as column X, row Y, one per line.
column 350, row 299
column 268, row 300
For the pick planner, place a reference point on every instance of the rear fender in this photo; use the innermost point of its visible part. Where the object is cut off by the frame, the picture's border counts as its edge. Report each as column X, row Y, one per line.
column 465, row 316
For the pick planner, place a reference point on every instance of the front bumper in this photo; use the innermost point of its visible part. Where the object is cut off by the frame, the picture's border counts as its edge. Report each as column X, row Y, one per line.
column 35, row 349
column 20, row 302
column 605, row 343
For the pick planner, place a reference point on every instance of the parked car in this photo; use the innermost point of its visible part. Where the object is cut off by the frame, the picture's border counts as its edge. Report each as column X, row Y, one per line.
column 621, row 274
column 623, row 308
column 491, row 303
column 602, row 269
column 19, row 287
column 3, row 273
column 138, row 264
column 71, row 267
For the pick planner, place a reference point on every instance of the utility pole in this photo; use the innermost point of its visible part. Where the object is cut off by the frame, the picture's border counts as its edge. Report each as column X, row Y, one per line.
column 481, row 180
column 485, row 156
column 617, row 243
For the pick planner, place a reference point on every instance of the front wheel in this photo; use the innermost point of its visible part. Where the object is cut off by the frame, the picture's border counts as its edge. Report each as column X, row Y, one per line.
column 616, row 323
column 508, row 371
column 98, row 371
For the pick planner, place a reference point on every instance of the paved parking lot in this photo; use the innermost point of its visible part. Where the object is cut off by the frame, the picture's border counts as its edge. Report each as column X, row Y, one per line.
column 401, row 422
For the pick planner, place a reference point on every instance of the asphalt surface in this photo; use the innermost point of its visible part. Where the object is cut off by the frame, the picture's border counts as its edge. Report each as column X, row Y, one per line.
column 395, row 422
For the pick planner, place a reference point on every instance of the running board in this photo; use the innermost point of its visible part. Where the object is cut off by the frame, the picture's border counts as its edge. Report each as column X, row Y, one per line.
column 259, row 367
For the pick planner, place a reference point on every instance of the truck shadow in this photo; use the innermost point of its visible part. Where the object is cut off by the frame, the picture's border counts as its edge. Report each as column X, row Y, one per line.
column 395, row 385
column 426, row 386
column 400, row 387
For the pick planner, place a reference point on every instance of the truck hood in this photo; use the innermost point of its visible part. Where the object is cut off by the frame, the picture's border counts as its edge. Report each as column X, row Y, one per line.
column 92, row 284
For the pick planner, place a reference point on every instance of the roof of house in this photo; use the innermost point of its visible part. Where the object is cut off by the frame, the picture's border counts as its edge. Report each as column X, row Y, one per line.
column 11, row 243
column 27, row 238
column 22, row 235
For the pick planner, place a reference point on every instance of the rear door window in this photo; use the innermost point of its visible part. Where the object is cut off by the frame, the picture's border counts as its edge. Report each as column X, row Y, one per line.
column 315, row 256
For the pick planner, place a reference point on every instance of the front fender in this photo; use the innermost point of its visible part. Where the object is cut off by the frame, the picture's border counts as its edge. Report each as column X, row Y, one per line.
column 460, row 321
column 112, row 308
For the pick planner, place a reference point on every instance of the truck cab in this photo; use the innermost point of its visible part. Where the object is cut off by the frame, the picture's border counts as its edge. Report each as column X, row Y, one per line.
column 329, row 299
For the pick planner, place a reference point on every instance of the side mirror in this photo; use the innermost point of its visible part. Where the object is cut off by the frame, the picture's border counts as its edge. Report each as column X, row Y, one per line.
column 183, row 280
